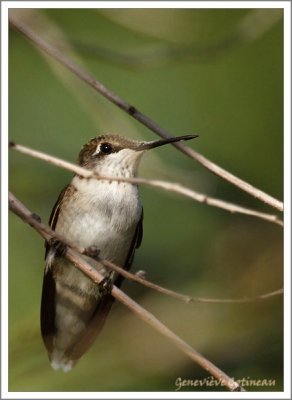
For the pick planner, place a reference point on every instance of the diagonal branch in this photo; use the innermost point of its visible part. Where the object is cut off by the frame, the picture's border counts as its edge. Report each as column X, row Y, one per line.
column 169, row 186
column 21, row 211
column 144, row 119
column 46, row 232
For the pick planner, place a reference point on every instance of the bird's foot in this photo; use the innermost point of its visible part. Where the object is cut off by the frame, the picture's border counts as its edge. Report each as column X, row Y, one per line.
column 105, row 286
column 59, row 247
column 141, row 274
column 92, row 251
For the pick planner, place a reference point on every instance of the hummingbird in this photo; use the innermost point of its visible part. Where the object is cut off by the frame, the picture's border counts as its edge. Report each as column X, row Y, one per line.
column 103, row 214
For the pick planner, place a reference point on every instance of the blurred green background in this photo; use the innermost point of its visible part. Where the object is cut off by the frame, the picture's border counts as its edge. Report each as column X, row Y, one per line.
column 215, row 72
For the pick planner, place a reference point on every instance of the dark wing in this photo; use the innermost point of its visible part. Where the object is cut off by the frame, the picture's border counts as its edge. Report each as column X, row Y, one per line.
column 104, row 304
column 55, row 214
column 49, row 285
column 48, row 328
column 136, row 242
column 56, row 209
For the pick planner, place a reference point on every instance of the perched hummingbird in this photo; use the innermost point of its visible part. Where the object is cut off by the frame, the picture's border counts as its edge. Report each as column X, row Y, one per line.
column 89, row 212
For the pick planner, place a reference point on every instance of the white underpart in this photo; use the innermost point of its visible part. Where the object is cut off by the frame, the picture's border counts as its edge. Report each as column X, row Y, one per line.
column 105, row 214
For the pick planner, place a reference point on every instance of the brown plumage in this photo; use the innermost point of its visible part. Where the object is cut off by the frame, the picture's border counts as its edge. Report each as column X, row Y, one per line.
column 90, row 212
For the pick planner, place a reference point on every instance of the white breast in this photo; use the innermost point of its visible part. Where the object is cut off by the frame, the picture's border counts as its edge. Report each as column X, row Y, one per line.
column 104, row 214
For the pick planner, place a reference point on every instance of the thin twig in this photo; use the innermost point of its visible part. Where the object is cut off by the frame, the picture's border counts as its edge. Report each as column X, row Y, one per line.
column 20, row 210
column 33, row 220
column 131, row 110
column 168, row 186
column 240, row 300
column 183, row 297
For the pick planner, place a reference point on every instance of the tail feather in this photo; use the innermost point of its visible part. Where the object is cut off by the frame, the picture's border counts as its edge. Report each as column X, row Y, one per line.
column 59, row 361
column 75, row 318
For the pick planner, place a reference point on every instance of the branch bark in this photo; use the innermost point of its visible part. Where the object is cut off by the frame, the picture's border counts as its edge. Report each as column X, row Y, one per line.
column 168, row 186
column 21, row 211
column 139, row 116
column 32, row 219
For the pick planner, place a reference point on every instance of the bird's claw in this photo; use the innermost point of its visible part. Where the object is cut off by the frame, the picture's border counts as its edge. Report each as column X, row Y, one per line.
column 105, row 286
column 92, row 251
column 141, row 274
column 59, row 247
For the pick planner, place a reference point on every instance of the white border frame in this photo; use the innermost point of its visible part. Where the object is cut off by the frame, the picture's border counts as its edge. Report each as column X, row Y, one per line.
column 286, row 5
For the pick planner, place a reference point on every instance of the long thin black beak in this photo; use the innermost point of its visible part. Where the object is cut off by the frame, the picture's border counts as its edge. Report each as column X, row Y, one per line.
column 162, row 142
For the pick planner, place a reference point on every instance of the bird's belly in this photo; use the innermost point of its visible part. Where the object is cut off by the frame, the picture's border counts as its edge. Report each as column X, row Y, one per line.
column 109, row 227
column 97, row 230
column 107, row 223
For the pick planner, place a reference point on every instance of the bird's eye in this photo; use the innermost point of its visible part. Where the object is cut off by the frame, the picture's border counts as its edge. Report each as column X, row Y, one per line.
column 106, row 148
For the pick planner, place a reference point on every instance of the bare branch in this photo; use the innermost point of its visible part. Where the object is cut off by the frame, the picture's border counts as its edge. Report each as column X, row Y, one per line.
column 131, row 110
column 19, row 209
column 183, row 297
column 169, row 186
column 33, row 220
column 241, row 300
